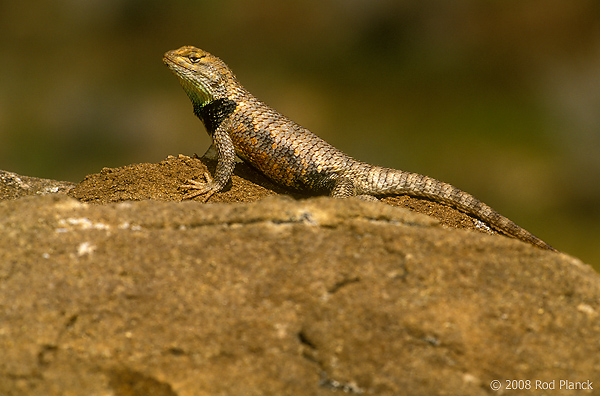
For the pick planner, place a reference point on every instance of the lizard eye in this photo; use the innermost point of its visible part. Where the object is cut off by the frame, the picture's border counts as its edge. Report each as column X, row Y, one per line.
column 195, row 59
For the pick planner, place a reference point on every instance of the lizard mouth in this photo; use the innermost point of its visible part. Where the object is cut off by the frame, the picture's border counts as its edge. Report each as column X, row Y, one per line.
column 172, row 61
column 197, row 93
column 176, row 62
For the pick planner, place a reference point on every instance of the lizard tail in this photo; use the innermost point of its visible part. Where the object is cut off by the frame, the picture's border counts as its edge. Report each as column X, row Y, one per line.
column 385, row 181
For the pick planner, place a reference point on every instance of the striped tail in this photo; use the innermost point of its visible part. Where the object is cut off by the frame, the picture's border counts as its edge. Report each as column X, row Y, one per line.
column 385, row 181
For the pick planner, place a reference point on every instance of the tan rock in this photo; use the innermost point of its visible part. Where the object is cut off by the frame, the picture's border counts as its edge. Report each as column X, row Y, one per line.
column 277, row 297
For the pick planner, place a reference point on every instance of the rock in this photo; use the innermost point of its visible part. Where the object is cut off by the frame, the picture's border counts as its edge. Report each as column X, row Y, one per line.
column 161, row 182
column 277, row 297
column 14, row 186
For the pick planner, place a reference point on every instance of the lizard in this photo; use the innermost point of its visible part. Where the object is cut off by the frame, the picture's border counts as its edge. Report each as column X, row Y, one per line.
column 292, row 156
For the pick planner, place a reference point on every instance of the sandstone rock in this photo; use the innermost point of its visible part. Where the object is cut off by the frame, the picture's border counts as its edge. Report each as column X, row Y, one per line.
column 277, row 297
column 14, row 186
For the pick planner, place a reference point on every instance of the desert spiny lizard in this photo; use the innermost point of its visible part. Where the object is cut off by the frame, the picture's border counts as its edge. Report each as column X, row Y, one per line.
column 292, row 156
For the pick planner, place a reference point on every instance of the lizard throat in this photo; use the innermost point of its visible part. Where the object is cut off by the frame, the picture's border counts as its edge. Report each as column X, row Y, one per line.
column 214, row 112
column 195, row 92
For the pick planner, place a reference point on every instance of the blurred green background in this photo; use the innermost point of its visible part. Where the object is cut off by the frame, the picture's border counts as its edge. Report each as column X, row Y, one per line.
column 501, row 99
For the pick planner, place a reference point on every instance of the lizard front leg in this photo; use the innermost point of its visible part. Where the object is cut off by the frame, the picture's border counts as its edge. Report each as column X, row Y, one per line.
column 225, row 150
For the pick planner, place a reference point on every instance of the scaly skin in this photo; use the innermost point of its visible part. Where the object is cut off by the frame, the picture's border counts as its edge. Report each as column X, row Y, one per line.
column 292, row 156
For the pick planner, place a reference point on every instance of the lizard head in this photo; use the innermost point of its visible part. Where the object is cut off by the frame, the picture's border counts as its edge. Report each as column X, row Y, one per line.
column 203, row 76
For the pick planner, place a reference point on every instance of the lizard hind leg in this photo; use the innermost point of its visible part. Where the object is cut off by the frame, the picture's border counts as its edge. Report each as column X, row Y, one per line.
column 346, row 188
column 343, row 188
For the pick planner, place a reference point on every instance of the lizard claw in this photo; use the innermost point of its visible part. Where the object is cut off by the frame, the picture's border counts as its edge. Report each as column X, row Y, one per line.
column 207, row 188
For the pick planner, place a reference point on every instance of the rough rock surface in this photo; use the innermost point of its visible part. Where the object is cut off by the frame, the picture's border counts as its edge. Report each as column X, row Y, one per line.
column 275, row 297
column 14, row 186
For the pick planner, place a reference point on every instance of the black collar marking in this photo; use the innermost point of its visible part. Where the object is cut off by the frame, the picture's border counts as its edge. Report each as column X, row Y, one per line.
column 213, row 113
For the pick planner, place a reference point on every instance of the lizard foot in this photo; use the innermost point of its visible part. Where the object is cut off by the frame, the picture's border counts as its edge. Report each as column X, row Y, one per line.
column 207, row 188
